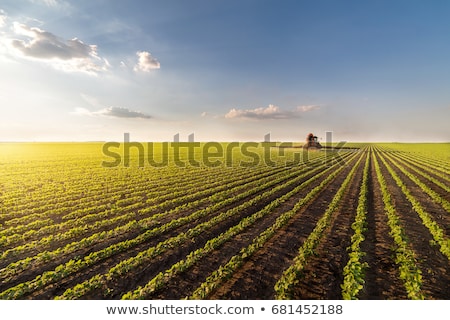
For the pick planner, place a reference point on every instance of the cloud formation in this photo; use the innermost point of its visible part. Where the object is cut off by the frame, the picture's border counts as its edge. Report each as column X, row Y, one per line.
column 120, row 112
column 271, row 112
column 146, row 62
column 307, row 108
column 66, row 55
column 3, row 18
column 73, row 55
column 116, row 112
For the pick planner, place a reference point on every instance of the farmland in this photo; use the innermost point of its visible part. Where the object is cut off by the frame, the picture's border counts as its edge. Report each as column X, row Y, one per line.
column 372, row 222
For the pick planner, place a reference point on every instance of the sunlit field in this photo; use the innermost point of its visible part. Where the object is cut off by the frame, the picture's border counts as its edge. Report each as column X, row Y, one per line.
column 224, row 221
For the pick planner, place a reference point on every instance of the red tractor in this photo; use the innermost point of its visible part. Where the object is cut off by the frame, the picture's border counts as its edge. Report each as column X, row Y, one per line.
column 312, row 142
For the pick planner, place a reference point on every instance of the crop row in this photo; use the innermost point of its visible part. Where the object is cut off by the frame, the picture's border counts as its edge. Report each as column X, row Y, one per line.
column 76, row 265
column 436, row 231
column 108, row 187
column 224, row 272
column 111, row 203
column 433, row 194
column 435, row 163
column 355, row 269
column 284, row 288
column 252, row 184
column 405, row 257
column 143, row 257
column 425, row 168
column 163, row 277
column 105, row 219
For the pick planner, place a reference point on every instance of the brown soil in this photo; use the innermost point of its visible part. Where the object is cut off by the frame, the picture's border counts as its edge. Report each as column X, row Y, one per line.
column 434, row 265
column 255, row 279
column 161, row 263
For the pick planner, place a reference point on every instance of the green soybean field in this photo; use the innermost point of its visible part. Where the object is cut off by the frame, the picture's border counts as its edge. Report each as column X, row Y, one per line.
column 367, row 222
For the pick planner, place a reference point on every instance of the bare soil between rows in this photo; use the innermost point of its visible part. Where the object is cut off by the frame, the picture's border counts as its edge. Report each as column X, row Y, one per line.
column 255, row 279
column 159, row 264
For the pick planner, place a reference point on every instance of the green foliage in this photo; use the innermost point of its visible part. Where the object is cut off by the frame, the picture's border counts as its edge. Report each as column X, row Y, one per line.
column 286, row 284
column 436, row 231
column 404, row 256
column 58, row 204
column 224, row 272
column 355, row 268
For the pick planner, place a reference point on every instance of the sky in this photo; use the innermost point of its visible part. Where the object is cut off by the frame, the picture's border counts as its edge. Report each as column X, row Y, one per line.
column 236, row 70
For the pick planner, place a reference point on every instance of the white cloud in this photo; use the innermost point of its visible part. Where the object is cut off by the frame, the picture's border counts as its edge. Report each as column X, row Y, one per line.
column 3, row 18
column 271, row 112
column 120, row 112
column 116, row 112
column 67, row 55
column 307, row 108
column 21, row 40
column 146, row 62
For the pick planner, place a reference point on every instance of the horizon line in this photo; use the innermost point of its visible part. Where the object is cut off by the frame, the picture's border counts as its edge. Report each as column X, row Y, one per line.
column 221, row 141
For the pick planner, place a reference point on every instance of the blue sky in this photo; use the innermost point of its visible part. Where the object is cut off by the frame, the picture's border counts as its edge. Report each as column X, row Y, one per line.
column 224, row 70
